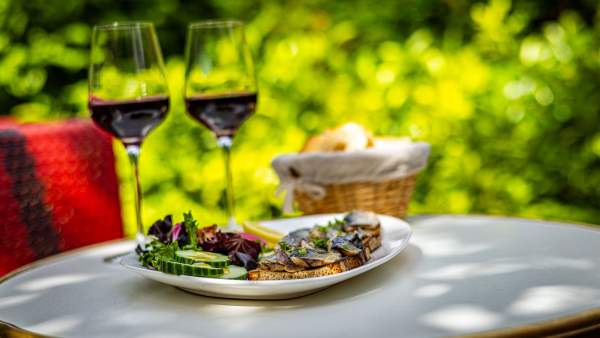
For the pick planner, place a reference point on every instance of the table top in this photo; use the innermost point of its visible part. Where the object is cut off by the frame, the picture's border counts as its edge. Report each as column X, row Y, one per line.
column 460, row 275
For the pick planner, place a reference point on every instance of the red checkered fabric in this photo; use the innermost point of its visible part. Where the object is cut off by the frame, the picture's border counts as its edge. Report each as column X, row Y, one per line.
column 58, row 190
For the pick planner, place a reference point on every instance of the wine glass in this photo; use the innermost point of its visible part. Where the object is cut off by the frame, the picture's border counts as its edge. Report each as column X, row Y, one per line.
column 220, row 86
column 128, row 94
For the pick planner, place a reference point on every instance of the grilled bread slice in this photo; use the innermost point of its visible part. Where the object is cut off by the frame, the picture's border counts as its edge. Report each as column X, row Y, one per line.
column 345, row 264
column 370, row 243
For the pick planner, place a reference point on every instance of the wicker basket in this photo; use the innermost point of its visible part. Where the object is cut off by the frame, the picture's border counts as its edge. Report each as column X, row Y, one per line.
column 386, row 197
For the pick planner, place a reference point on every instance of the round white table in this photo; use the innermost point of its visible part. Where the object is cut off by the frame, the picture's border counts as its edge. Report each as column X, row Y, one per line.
column 461, row 275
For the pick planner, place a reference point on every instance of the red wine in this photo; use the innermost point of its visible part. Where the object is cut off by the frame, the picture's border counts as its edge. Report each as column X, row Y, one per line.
column 223, row 114
column 129, row 120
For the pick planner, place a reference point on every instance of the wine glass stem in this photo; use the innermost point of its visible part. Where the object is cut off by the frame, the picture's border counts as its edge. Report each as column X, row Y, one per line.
column 133, row 151
column 225, row 143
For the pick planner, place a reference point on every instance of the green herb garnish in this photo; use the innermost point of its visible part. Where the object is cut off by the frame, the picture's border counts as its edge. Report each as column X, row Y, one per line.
column 335, row 222
column 320, row 243
column 284, row 246
column 301, row 251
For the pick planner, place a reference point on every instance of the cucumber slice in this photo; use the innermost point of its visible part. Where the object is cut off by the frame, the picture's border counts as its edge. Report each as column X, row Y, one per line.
column 196, row 270
column 235, row 272
column 194, row 256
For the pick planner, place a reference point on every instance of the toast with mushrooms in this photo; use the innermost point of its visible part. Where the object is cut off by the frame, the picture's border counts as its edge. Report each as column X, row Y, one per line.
column 338, row 246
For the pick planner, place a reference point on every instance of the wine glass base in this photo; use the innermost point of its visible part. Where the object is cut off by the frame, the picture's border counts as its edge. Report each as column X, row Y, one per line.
column 233, row 226
column 140, row 239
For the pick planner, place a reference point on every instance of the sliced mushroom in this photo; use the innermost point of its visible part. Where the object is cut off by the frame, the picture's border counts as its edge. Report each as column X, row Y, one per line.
column 348, row 245
column 284, row 260
column 270, row 265
column 270, row 262
column 299, row 261
column 326, row 231
column 316, row 258
column 360, row 219
column 296, row 238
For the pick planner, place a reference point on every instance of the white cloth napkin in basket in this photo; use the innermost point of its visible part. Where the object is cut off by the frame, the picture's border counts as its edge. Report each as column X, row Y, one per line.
column 309, row 172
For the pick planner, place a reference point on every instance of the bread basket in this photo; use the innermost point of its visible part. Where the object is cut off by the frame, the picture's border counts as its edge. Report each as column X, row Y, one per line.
column 379, row 180
column 390, row 197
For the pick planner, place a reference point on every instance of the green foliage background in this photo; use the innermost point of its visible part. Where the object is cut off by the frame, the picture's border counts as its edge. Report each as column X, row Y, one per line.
column 506, row 93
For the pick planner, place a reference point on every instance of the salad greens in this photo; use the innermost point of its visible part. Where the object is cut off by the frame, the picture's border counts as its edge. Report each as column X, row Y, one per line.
column 241, row 251
column 167, row 239
column 156, row 251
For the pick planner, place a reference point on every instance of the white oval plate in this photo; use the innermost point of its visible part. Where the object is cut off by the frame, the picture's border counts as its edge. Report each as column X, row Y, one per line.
column 395, row 236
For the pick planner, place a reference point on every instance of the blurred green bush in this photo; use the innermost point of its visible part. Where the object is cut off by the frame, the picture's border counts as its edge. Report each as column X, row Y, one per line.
column 507, row 93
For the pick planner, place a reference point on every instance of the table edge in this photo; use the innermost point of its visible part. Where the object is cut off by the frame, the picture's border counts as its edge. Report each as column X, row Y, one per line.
column 9, row 330
column 59, row 256
column 564, row 326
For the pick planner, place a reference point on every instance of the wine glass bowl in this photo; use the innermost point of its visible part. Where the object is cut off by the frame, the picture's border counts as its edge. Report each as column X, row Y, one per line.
column 218, row 59
column 128, row 94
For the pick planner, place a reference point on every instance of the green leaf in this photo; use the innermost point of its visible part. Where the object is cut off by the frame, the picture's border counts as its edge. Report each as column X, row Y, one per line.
column 156, row 251
column 320, row 243
column 191, row 226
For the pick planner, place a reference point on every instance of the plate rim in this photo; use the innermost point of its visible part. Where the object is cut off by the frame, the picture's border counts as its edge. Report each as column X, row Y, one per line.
column 232, row 282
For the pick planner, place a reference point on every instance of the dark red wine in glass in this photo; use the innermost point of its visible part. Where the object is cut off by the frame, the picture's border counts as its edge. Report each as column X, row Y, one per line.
column 223, row 114
column 129, row 120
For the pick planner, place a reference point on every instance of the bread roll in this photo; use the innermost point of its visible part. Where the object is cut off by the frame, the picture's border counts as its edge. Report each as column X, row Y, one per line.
column 347, row 137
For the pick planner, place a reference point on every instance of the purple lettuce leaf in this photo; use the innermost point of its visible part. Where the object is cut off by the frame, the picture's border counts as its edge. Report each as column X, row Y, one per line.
column 161, row 229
